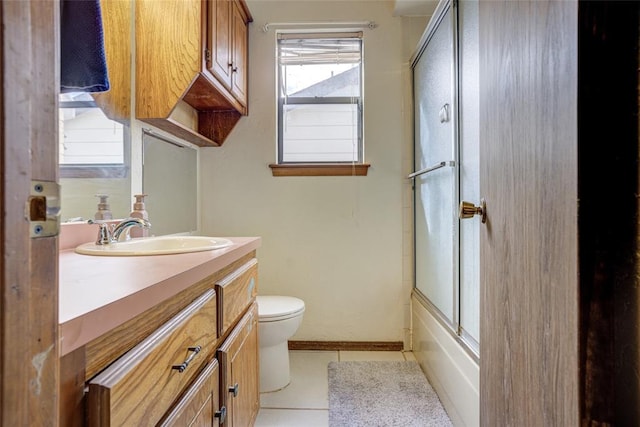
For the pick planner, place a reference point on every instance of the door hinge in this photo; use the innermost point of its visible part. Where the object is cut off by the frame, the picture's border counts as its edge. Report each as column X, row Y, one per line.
column 43, row 209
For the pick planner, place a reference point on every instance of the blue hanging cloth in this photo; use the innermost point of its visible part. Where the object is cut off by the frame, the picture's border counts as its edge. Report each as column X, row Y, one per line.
column 83, row 65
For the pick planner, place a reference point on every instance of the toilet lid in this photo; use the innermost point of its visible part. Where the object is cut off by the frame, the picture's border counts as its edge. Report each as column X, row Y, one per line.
column 274, row 306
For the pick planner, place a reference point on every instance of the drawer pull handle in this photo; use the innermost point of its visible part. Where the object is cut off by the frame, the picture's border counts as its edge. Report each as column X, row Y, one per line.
column 181, row 367
column 222, row 414
column 234, row 390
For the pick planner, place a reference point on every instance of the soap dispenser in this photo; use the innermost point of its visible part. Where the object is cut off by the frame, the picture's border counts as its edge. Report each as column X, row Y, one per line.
column 139, row 212
column 104, row 212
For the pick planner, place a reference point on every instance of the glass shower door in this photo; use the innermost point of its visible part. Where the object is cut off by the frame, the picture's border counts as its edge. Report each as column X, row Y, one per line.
column 436, row 188
column 446, row 99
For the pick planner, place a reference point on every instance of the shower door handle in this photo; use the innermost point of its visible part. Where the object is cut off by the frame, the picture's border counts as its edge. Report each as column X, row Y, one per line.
column 437, row 166
column 469, row 210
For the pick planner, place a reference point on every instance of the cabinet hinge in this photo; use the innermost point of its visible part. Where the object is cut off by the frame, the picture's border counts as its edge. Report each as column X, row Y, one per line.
column 43, row 209
column 207, row 55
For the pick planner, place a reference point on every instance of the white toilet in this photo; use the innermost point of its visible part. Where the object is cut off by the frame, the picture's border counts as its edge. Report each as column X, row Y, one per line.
column 278, row 319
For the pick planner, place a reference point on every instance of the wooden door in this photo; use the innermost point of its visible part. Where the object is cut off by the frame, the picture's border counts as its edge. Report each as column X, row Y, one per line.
column 528, row 175
column 29, row 304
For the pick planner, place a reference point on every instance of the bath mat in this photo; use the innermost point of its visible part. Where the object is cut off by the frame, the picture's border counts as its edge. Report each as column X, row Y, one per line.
column 382, row 394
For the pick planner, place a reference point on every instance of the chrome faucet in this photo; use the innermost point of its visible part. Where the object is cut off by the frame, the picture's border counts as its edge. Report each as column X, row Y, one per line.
column 107, row 234
column 125, row 225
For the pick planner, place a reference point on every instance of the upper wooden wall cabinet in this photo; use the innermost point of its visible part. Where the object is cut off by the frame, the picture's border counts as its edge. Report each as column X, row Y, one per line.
column 191, row 67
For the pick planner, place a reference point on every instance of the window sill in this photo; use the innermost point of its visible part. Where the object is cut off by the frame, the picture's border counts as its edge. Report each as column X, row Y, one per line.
column 324, row 169
column 93, row 171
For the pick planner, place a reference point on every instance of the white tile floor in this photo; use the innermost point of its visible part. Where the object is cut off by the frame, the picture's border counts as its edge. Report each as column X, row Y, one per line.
column 305, row 401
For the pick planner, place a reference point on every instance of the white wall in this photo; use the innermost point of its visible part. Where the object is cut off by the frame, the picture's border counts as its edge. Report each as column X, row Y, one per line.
column 335, row 242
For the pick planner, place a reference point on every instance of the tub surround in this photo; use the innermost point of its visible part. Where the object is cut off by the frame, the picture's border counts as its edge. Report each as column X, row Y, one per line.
column 452, row 372
column 98, row 294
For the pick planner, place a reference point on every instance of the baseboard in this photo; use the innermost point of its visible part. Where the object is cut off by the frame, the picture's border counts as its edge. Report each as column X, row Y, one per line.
column 347, row 345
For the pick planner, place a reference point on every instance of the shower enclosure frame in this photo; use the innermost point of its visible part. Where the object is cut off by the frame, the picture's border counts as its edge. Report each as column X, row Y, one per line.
column 452, row 325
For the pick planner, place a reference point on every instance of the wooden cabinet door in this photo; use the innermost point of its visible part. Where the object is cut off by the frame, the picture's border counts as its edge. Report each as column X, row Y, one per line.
column 199, row 406
column 219, row 61
column 239, row 54
column 239, row 366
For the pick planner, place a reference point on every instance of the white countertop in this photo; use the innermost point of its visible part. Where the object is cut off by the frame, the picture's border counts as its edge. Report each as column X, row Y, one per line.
column 99, row 293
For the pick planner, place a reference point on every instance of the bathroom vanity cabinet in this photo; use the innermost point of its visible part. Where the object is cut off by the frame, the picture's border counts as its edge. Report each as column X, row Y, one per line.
column 173, row 364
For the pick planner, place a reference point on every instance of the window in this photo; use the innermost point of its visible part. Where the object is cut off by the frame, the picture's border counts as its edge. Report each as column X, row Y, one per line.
column 320, row 99
column 91, row 145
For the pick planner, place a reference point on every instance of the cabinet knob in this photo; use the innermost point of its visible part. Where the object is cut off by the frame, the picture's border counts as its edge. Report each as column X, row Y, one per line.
column 234, row 389
column 222, row 414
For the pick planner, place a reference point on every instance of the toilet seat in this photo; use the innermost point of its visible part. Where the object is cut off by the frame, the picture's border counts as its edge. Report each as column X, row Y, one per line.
column 272, row 308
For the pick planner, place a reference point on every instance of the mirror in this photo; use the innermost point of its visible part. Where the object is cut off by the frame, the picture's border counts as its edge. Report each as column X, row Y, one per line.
column 95, row 134
column 169, row 179
column 149, row 163
column 93, row 158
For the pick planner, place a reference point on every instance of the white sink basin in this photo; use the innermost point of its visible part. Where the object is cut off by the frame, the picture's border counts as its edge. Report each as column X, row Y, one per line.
column 162, row 245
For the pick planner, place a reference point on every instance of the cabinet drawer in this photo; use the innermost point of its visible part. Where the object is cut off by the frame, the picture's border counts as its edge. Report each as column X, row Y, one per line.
column 139, row 388
column 199, row 406
column 235, row 293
